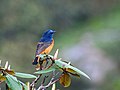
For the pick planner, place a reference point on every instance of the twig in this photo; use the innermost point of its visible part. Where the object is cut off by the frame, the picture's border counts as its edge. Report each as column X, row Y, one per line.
column 1, row 82
column 48, row 85
column 43, row 81
column 35, row 81
column 7, row 88
column 47, row 61
column 41, row 68
column 52, row 81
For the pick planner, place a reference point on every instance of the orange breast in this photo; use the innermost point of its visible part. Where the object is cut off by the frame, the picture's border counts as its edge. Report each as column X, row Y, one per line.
column 47, row 50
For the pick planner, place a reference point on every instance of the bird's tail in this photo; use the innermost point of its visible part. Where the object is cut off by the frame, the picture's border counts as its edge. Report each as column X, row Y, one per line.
column 35, row 61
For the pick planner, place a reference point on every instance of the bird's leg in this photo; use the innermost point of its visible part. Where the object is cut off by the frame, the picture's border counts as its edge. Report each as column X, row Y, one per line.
column 41, row 62
column 47, row 61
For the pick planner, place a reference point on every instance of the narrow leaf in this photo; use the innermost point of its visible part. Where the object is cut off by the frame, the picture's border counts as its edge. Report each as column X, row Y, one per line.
column 53, row 86
column 28, row 85
column 70, row 70
column 79, row 71
column 73, row 69
column 11, row 72
column 50, row 56
column 24, row 86
column 13, row 83
column 9, row 67
column 56, row 54
column 6, row 65
column 0, row 63
column 24, row 75
column 61, row 64
column 45, row 71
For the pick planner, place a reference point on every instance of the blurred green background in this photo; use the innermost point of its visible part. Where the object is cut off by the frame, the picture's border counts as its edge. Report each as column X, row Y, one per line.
column 88, row 35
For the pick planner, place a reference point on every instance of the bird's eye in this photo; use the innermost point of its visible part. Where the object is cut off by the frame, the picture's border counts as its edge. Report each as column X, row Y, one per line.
column 51, row 32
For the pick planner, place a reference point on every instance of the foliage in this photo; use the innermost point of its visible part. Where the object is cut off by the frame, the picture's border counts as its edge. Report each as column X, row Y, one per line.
column 59, row 69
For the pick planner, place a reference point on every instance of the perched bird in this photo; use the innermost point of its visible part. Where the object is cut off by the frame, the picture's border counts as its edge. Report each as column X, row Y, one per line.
column 45, row 45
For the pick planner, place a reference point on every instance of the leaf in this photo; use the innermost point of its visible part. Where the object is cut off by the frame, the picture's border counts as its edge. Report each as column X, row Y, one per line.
column 13, row 83
column 45, row 71
column 1, row 69
column 2, row 78
column 65, row 80
column 78, row 71
column 61, row 64
column 53, row 86
column 43, row 56
column 24, row 86
column 77, row 75
column 11, row 72
column 56, row 54
column 70, row 68
column 50, row 56
column 28, row 85
column 74, row 73
column 24, row 75
column 6, row 65
column 8, row 71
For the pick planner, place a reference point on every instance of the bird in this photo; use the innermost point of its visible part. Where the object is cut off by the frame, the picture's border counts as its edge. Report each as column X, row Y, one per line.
column 44, row 45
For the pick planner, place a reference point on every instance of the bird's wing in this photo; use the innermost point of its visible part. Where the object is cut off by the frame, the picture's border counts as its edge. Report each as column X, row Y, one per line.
column 42, row 46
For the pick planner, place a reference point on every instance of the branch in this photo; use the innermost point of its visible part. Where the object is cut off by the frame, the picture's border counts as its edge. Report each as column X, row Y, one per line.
column 46, row 66
column 35, row 81
column 42, row 83
column 52, row 81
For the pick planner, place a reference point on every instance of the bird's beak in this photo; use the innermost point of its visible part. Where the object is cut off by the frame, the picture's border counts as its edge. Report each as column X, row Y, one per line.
column 54, row 31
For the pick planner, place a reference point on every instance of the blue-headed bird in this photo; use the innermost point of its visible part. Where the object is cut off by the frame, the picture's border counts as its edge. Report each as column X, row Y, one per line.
column 45, row 45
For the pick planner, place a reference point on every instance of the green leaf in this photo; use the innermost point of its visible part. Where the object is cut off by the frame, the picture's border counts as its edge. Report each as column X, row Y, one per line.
column 46, row 70
column 28, row 85
column 53, row 86
column 50, row 56
column 42, row 55
column 79, row 71
column 24, row 85
column 13, row 83
column 24, row 75
column 61, row 64
column 64, row 65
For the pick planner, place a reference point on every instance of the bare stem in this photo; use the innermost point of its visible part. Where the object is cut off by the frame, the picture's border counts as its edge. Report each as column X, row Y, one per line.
column 52, row 81
column 46, row 66
column 32, row 85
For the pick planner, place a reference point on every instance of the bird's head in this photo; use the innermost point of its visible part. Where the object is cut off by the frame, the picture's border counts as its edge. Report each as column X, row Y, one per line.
column 48, row 35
